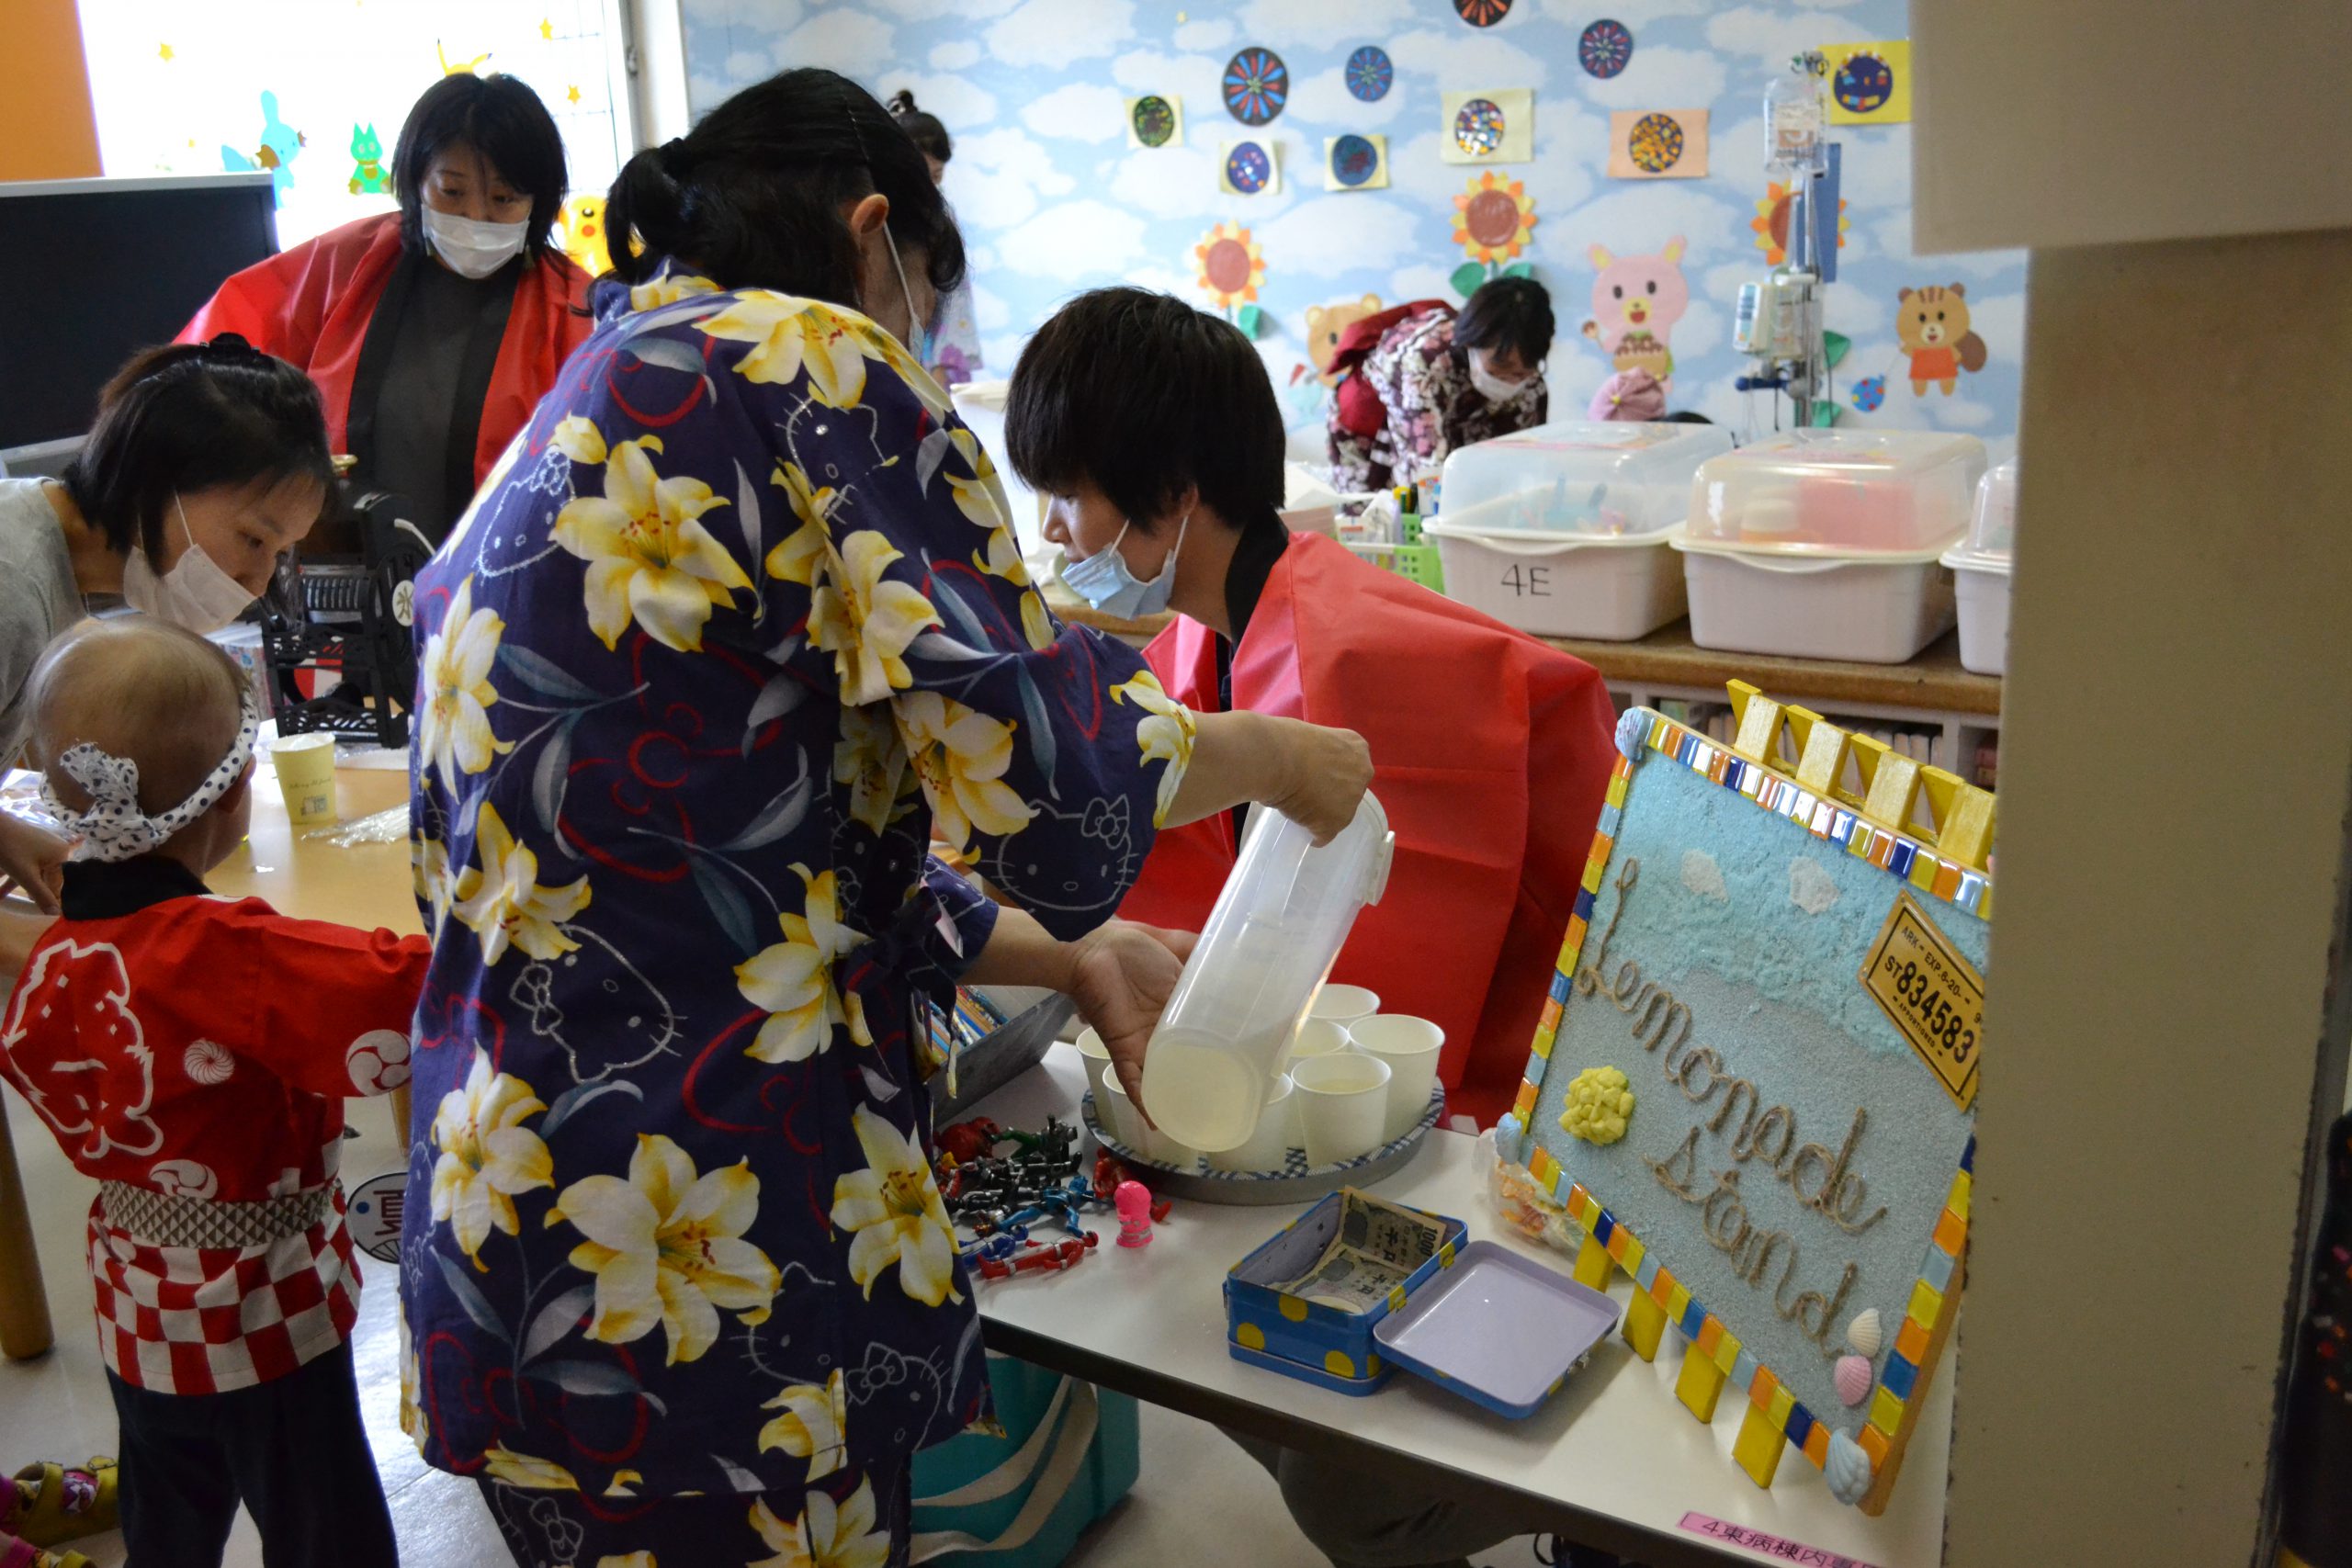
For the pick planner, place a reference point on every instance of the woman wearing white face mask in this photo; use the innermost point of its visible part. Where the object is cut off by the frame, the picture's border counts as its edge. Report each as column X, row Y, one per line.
column 1421, row 381
column 206, row 463
column 432, row 331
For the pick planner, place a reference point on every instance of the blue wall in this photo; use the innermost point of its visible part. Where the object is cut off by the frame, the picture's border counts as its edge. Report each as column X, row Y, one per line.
column 1053, row 199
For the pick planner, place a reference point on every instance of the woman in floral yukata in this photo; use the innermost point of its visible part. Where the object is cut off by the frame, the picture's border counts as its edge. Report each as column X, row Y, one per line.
column 738, row 624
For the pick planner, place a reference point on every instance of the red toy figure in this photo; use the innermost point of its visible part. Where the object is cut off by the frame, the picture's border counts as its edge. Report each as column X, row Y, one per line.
column 968, row 1141
column 1135, row 1214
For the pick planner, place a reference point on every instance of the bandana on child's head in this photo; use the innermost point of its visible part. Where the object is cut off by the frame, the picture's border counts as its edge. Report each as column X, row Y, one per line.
column 114, row 828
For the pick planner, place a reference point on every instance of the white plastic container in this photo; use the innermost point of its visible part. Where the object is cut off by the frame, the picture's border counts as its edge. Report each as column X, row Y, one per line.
column 1981, row 570
column 1267, row 945
column 1826, row 544
column 1563, row 529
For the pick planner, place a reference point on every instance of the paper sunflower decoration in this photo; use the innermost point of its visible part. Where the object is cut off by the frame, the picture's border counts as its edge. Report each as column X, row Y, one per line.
column 1230, row 267
column 1771, row 223
column 1494, row 219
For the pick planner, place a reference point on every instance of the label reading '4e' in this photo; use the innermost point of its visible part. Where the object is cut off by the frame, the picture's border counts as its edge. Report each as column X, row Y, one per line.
column 1931, row 994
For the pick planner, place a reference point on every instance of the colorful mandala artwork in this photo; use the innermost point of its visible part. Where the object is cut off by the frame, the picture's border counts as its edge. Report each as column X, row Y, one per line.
column 1248, row 169
column 1155, row 120
column 1256, row 84
column 1863, row 83
column 1482, row 13
column 1479, row 128
column 1604, row 47
column 1355, row 159
column 1371, row 73
column 1655, row 145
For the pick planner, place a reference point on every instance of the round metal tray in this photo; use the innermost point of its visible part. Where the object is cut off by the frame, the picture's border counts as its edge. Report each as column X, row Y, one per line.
column 1297, row 1182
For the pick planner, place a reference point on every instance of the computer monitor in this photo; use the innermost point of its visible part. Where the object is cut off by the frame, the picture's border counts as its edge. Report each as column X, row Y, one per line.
column 93, row 270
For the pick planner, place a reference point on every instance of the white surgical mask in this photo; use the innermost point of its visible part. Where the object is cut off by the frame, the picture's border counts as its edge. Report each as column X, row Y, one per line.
column 1491, row 387
column 471, row 247
column 922, row 330
column 195, row 593
column 1103, row 581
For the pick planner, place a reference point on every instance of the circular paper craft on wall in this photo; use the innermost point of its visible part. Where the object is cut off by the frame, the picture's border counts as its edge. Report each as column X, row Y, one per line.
column 1479, row 128
column 1863, row 83
column 1482, row 13
column 1247, row 168
column 1654, row 143
column 1492, row 217
column 1604, row 49
column 1353, row 161
column 1155, row 120
column 1371, row 73
column 1256, row 84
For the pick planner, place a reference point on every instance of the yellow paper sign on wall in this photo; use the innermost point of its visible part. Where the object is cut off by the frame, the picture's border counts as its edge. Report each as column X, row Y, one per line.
column 1934, row 997
column 1870, row 84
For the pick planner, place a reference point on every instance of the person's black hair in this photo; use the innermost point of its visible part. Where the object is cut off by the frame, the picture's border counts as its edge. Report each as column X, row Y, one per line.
column 753, row 196
column 1686, row 417
column 192, row 416
column 503, row 119
column 931, row 138
column 1143, row 396
column 1508, row 314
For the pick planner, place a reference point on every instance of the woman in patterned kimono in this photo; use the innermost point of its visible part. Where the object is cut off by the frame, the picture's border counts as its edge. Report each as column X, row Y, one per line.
column 736, row 626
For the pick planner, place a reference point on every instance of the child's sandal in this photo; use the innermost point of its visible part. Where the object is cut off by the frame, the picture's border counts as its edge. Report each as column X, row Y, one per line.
column 66, row 1505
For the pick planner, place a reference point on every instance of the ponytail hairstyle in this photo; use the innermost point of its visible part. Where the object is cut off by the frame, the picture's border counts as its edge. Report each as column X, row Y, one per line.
column 931, row 138
column 751, row 197
column 192, row 416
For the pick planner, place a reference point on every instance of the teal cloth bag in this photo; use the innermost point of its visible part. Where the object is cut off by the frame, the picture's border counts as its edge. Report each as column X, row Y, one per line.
column 1020, row 1501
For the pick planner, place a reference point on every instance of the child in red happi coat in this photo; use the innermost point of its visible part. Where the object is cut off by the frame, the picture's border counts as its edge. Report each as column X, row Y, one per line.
column 193, row 1055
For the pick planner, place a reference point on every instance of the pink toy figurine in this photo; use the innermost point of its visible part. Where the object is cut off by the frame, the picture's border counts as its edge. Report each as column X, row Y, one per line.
column 1135, row 1213
column 1635, row 302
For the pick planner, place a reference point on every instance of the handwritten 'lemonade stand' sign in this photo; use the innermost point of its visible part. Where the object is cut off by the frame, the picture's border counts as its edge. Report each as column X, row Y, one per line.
column 1792, row 996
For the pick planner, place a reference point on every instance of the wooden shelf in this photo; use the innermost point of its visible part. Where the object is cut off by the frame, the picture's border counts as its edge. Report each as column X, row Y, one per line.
column 1932, row 683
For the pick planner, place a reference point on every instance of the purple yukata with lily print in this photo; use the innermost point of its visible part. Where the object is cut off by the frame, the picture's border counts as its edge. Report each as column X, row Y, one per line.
column 735, row 628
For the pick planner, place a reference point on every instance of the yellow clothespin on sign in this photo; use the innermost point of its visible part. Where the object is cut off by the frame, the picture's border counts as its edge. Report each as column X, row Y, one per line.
column 1963, row 816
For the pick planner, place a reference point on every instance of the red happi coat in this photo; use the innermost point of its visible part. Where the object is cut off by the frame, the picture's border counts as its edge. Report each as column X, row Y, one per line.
column 1490, row 753
column 312, row 306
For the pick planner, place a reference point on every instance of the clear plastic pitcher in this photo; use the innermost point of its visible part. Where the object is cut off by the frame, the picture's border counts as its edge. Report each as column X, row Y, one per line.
column 1269, row 943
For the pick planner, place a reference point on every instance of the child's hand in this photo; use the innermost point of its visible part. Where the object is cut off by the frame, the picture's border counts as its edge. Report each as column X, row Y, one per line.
column 33, row 860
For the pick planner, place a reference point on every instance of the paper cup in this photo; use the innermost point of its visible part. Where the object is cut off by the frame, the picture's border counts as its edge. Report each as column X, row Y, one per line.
column 1410, row 1048
column 1090, row 1046
column 1263, row 1148
column 1344, row 1004
column 1117, row 1112
column 1342, row 1103
column 1139, row 1136
column 305, row 767
column 1316, row 1037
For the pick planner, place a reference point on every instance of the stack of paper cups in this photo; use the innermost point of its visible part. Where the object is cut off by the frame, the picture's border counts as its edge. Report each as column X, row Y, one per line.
column 1264, row 1149
column 1090, row 1046
column 1115, row 1111
column 1410, row 1048
column 1343, row 1100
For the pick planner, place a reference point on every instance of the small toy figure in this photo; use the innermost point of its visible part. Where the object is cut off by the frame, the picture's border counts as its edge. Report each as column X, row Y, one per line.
column 970, row 1140
column 1135, row 1214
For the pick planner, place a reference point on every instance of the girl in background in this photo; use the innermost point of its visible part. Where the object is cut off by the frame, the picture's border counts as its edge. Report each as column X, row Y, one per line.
column 952, row 352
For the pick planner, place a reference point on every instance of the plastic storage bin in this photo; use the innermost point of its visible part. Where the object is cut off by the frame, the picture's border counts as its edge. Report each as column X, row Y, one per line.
column 1826, row 544
column 1267, row 943
column 1981, row 573
column 1563, row 529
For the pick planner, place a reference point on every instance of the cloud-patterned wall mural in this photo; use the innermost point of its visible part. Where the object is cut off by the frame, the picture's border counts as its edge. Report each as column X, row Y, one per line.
column 1055, row 196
